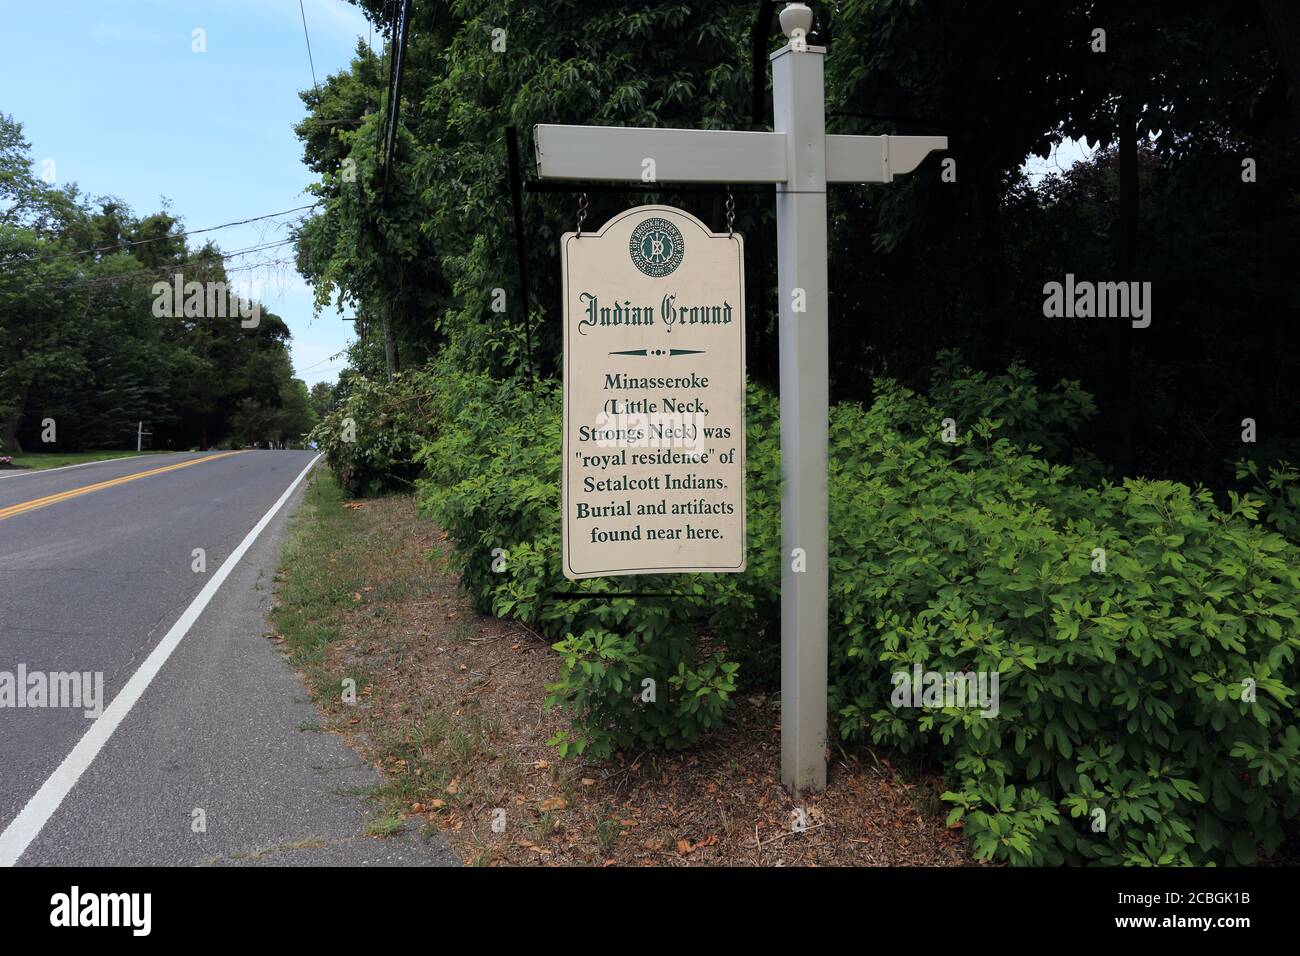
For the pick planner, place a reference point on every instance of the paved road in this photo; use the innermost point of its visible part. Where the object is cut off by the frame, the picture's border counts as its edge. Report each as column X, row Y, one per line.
column 92, row 582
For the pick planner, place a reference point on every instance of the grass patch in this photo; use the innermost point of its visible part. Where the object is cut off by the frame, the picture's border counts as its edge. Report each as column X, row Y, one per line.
column 384, row 826
column 310, row 843
column 336, row 587
column 335, row 571
column 39, row 461
column 317, row 580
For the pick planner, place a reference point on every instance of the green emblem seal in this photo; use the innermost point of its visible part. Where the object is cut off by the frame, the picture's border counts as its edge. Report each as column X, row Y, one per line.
column 657, row 247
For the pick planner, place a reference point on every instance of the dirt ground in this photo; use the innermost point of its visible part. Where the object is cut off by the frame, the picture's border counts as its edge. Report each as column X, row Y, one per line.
column 449, row 707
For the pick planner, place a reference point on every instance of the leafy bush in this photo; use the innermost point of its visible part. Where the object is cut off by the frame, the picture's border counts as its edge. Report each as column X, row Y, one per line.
column 493, row 484
column 370, row 440
column 1280, row 494
column 1144, row 638
column 1026, row 415
column 1120, row 689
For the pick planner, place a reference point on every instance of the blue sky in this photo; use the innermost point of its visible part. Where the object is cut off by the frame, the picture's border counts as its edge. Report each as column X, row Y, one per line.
column 113, row 93
column 1064, row 155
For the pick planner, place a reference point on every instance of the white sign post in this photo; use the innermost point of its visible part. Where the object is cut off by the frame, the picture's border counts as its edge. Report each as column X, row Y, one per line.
column 799, row 159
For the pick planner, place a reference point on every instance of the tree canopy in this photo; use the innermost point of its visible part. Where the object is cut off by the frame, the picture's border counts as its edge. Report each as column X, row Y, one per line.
column 82, row 341
column 1172, row 96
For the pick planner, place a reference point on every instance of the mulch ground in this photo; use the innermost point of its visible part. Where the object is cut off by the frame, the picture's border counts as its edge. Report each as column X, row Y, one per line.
column 450, row 710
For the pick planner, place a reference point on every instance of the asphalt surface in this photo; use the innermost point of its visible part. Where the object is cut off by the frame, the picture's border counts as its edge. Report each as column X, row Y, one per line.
column 92, row 583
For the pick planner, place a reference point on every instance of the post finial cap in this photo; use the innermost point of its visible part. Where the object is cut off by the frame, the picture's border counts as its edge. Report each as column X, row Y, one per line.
column 796, row 16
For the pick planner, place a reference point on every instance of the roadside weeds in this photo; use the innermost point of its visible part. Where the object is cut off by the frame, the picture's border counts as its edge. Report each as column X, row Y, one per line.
column 448, row 707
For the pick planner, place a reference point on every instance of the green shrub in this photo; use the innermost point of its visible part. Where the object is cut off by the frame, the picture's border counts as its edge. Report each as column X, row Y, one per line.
column 370, row 440
column 492, row 482
column 1125, row 678
column 1120, row 690
column 1279, row 492
column 1026, row 415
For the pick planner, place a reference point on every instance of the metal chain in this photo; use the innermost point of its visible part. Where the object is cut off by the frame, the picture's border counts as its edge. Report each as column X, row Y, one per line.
column 731, row 210
column 582, row 212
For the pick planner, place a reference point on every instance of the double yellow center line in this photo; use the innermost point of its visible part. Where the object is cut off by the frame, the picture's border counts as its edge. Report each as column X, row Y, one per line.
column 26, row 506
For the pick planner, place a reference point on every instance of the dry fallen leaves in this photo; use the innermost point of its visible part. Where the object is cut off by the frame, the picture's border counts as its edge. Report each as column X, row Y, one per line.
column 552, row 803
column 685, row 847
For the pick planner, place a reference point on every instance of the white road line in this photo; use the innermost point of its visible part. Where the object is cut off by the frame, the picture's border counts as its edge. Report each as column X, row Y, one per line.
column 25, row 827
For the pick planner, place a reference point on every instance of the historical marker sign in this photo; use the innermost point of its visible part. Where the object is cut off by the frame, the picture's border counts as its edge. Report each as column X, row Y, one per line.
column 654, row 397
column 800, row 159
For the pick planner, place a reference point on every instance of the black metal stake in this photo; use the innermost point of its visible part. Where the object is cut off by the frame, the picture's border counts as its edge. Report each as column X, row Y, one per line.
column 517, row 199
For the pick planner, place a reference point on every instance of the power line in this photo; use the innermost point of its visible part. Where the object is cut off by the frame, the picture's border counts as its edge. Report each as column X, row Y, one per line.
column 178, row 235
column 167, row 269
column 308, row 368
column 305, row 34
column 162, row 276
column 255, row 248
column 166, row 272
column 140, row 242
column 170, row 267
